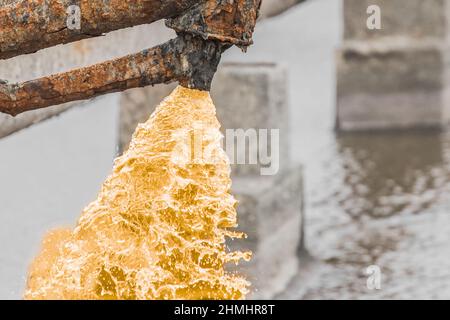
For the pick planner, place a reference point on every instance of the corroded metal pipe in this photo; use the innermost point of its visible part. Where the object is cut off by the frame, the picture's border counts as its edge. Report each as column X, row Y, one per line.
column 204, row 32
column 230, row 21
column 27, row 26
column 187, row 59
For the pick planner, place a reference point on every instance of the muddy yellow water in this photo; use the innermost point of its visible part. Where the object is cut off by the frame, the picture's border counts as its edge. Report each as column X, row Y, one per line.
column 158, row 227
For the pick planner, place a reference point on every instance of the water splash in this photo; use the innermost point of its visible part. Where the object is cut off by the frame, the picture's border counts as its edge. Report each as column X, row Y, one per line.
column 158, row 227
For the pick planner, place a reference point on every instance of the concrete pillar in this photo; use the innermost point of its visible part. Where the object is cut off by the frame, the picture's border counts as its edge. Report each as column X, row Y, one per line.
column 270, row 214
column 254, row 96
column 395, row 77
column 249, row 96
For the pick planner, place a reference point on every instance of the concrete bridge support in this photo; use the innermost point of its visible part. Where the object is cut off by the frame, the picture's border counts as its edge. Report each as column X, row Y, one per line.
column 395, row 77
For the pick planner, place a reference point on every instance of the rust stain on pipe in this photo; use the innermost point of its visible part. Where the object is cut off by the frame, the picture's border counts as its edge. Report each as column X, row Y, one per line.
column 187, row 59
column 30, row 25
column 230, row 21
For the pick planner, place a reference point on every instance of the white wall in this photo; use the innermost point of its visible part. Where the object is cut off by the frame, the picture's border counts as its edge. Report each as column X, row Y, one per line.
column 48, row 173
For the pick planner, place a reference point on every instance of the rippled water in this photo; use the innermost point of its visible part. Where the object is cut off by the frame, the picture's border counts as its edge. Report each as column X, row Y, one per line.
column 371, row 198
column 380, row 199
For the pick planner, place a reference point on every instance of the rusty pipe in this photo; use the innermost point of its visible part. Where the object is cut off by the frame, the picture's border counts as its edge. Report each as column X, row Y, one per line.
column 188, row 59
column 229, row 21
column 27, row 26
column 204, row 32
